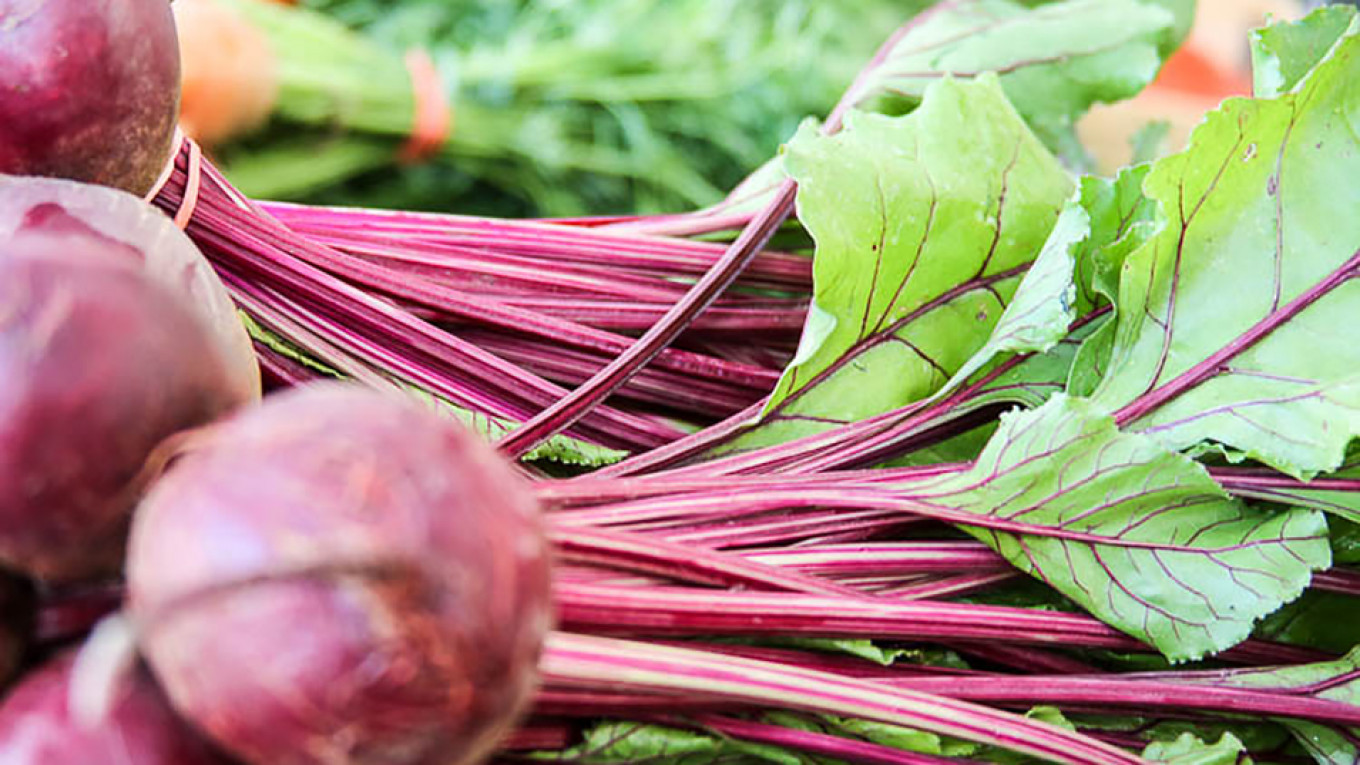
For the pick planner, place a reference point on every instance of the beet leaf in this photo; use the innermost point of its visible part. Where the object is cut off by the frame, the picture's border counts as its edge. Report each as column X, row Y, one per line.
column 1333, row 681
column 925, row 225
column 1233, row 318
column 1055, row 60
column 1190, row 568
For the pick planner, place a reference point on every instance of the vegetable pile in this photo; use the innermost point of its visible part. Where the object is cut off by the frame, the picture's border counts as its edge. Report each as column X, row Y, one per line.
column 1021, row 464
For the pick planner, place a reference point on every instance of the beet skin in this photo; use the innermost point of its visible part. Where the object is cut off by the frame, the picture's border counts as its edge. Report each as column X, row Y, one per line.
column 342, row 575
column 51, row 216
column 89, row 89
column 98, row 366
column 36, row 726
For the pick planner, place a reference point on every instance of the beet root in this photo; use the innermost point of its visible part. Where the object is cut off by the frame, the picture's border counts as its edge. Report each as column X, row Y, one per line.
column 53, row 217
column 37, row 728
column 98, row 366
column 89, row 90
column 342, row 575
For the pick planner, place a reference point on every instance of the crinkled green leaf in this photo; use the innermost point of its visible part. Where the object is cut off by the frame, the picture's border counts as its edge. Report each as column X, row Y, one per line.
column 1122, row 218
column 1076, row 272
column 925, row 225
column 1056, row 60
column 1283, row 53
column 1189, row 749
column 1187, row 568
column 1235, row 319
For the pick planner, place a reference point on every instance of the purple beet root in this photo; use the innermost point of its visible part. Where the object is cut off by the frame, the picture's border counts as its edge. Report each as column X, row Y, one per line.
column 342, row 575
column 60, row 218
column 89, row 89
column 98, row 366
column 37, row 728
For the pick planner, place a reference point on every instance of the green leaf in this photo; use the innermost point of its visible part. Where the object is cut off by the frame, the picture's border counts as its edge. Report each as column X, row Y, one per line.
column 1345, row 541
column 1331, row 680
column 1283, row 53
column 964, row 447
column 1188, row 749
column 279, row 345
column 1184, row 13
column 1322, row 620
column 925, row 225
column 614, row 742
column 1030, row 382
column 1035, row 321
column 1096, row 229
column 899, row 737
column 563, row 450
column 1343, row 504
column 1043, row 307
column 1056, row 60
column 1122, row 218
column 1036, row 378
column 1186, row 568
column 870, row 651
column 1235, row 317
column 1255, row 735
column 913, row 740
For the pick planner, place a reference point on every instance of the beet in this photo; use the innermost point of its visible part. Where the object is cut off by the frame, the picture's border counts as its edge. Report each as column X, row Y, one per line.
column 342, row 575
column 89, row 89
column 37, row 728
column 98, row 366
column 52, row 216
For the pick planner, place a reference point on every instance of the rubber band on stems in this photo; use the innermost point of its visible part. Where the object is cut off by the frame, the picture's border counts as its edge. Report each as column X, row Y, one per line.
column 432, row 120
column 193, row 178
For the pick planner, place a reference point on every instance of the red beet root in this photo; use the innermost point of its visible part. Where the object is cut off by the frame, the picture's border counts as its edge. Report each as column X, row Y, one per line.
column 89, row 89
column 52, row 217
column 342, row 575
column 37, row 728
column 98, row 366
